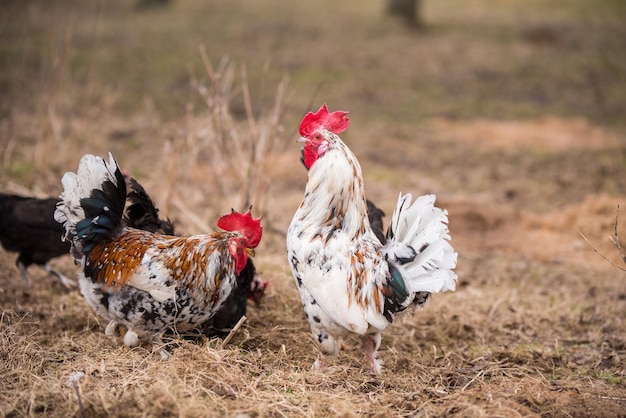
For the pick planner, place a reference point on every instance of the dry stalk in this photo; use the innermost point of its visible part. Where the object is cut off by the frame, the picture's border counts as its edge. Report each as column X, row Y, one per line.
column 468, row 384
column 7, row 156
column 232, row 332
column 52, row 122
column 231, row 153
column 83, row 413
column 613, row 398
column 615, row 242
column 171, row 158
column 191, row 215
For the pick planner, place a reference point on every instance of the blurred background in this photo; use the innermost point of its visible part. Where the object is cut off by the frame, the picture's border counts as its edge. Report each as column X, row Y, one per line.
column 467, row 59
column 516, row 103
column 66, row 65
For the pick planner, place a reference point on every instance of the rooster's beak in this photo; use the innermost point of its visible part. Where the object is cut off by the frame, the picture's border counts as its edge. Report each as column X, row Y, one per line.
column 301, row 139
column 251, row 252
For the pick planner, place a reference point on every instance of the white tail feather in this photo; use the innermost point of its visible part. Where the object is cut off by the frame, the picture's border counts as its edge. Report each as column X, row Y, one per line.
column 421, row 228
column 92, row 172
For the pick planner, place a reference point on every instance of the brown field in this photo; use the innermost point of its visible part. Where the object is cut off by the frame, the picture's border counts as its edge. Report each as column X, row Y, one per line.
column 513, row 113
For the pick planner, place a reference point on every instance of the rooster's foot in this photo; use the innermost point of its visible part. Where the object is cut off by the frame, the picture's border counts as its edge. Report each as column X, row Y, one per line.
column 66, row 281
column 131, row 338
column 371, row 343
column 319, row 364
column 111, row 329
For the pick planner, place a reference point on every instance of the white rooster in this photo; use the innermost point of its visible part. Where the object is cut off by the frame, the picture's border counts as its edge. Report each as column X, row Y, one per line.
column 349, row 282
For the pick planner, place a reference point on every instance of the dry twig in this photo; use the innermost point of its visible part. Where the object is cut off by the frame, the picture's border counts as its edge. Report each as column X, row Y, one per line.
column 83, row 413
column 615, row 241
column 232, row 332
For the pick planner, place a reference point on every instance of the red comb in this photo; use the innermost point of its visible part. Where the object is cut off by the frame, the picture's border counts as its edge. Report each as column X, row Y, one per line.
column 244, row 223
column 335, row 122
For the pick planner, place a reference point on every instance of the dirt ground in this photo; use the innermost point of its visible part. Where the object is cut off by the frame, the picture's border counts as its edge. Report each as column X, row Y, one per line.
column 537, row 326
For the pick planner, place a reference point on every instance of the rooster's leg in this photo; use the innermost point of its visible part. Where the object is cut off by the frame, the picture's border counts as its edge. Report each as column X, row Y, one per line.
column 328, row 347
column 22, row 267
column 320, row 363
column 371, row 343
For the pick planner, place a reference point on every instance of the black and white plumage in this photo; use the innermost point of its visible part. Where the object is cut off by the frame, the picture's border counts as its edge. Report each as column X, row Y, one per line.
column 349, row 281
column 148, row 282
column 27, row 227
column 142, row 213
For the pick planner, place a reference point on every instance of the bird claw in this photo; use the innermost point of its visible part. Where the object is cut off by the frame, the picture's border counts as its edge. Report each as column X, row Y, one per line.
column 131, row 338
column 111, row 329
column 67, row 282
column 319, row 364
column 22, row 269
column 165, row 355
column 376, row 366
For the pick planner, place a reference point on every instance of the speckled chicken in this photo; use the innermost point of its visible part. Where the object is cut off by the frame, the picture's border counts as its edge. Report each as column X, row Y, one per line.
column 141, row 213
column 349, row 281
column 148, row 282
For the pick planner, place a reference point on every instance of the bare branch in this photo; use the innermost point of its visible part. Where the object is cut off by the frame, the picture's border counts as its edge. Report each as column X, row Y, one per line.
column 599, row 253
column 191, row 215
column 615, row 240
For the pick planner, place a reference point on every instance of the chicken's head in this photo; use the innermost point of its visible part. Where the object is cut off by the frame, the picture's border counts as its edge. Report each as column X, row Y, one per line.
column 257, row 289
column 244, row 243
column 314, row 130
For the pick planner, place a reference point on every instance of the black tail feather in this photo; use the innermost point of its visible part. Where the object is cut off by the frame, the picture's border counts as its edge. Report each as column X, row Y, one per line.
column 103, row 213
column 141, row 212
column 397, row 294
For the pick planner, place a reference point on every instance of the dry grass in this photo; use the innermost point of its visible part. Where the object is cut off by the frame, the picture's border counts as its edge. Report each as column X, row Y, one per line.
column 537, row 326
column 491, row 349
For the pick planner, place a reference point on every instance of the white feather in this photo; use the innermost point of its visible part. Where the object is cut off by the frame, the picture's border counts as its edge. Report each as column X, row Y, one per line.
column 157, row 289
column 423, row 227
column 143, row 278
column 326, row 282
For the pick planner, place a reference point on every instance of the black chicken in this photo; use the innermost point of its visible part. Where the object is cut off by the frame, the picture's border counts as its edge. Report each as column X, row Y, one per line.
column 27, row 227
column 375, row 216
column 141, row 212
